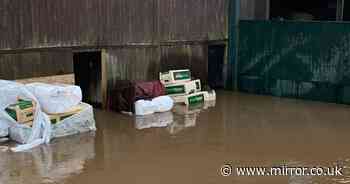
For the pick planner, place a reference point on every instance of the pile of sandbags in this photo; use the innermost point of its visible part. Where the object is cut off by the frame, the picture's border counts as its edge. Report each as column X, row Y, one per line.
column 35, row 113
column 180, row 86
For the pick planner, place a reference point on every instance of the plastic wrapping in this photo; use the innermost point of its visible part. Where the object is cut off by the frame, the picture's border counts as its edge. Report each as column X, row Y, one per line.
column 144, row 107
column 55, row 99
column 157, row 105
column 41, row 131
column 78, row 123
column 163, row 103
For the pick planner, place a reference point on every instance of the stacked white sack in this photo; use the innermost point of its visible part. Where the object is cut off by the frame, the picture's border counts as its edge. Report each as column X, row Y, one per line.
column 55, row 99
column 157, row 105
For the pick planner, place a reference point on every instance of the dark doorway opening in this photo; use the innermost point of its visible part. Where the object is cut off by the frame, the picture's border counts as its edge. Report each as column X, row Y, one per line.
column 216, row 57
column 318, row 10
column 346, row 11
column 88, row 75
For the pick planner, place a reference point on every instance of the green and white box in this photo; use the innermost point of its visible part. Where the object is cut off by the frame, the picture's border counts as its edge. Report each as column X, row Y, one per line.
column 185, row 88
column 175, row 76
column 196, row 98
column 192, row 99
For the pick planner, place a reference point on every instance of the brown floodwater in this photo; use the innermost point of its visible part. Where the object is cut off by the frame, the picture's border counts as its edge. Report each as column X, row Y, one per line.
column 190, row 145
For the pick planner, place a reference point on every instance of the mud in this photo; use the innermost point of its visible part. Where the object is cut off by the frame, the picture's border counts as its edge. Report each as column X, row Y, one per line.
column 190, row 145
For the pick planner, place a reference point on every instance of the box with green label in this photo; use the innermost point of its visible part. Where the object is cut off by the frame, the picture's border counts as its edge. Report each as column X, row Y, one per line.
column 22, row 111
column 175, row 76
column 185, row 88
column 196, row 98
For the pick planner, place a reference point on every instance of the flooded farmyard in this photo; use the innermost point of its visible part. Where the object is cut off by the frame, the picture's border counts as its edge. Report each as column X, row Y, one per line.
column 189, row 145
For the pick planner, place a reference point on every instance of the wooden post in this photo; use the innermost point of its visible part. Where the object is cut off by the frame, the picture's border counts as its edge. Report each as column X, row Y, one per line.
column 340, row 10
column 104, row 78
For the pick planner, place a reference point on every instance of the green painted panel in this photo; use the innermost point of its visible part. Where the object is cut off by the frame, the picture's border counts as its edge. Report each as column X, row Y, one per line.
column 308, row 60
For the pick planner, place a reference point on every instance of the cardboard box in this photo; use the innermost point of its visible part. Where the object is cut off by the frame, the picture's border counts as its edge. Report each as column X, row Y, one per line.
column 175, row 76
column 185, row 88
column 22, row 111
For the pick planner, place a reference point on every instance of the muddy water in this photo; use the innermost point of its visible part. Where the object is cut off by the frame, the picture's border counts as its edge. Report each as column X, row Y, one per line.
column 190, row 145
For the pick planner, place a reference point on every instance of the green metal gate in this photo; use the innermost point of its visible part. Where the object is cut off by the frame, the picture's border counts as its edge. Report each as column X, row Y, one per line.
column 307, row 60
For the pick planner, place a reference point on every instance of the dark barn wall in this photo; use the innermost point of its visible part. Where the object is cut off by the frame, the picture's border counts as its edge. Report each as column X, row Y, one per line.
column 35, row 64
column 135, row 63
column 192, row 20
column 67, row 23
column 145, row 63
column 42, row 24
column 193, row 57
column 254, row 9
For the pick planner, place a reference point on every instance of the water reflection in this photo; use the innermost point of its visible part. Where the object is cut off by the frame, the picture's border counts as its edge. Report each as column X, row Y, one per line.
column 243, row 130
column 157, row 120
column 180, row 118
column 49, row 163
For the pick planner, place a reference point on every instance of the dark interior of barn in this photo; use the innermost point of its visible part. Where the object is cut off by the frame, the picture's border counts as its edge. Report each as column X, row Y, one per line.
column 307, row 10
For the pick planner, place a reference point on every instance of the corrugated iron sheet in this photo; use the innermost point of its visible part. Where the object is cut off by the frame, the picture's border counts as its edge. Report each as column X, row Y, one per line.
column 308, row 60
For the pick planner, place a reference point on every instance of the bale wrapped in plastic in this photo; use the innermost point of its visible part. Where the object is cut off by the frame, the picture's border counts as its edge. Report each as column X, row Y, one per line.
column 41, row 130
column 81, row 122
column 56, row 98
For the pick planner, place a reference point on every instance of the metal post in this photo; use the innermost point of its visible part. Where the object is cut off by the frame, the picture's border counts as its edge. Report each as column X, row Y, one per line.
column 234, row 16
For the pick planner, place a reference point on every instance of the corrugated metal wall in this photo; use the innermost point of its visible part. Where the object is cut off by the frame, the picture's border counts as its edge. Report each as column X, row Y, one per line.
column 35, row 64
column 308, row 60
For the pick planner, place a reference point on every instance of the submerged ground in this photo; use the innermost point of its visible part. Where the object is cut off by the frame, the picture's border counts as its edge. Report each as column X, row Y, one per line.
column 243, row 130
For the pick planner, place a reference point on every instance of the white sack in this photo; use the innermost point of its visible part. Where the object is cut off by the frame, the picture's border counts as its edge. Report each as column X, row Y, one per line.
column 55, row 99
column 144, row 107
column 163, row 103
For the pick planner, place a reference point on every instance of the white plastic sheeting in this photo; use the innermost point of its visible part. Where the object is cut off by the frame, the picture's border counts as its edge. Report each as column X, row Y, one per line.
column 41, row 131
column 78, row 123
column 55, row 99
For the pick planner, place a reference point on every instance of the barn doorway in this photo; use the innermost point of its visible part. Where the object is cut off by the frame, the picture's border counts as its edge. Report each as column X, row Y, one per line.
column 88, row 75
column 216, row 57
